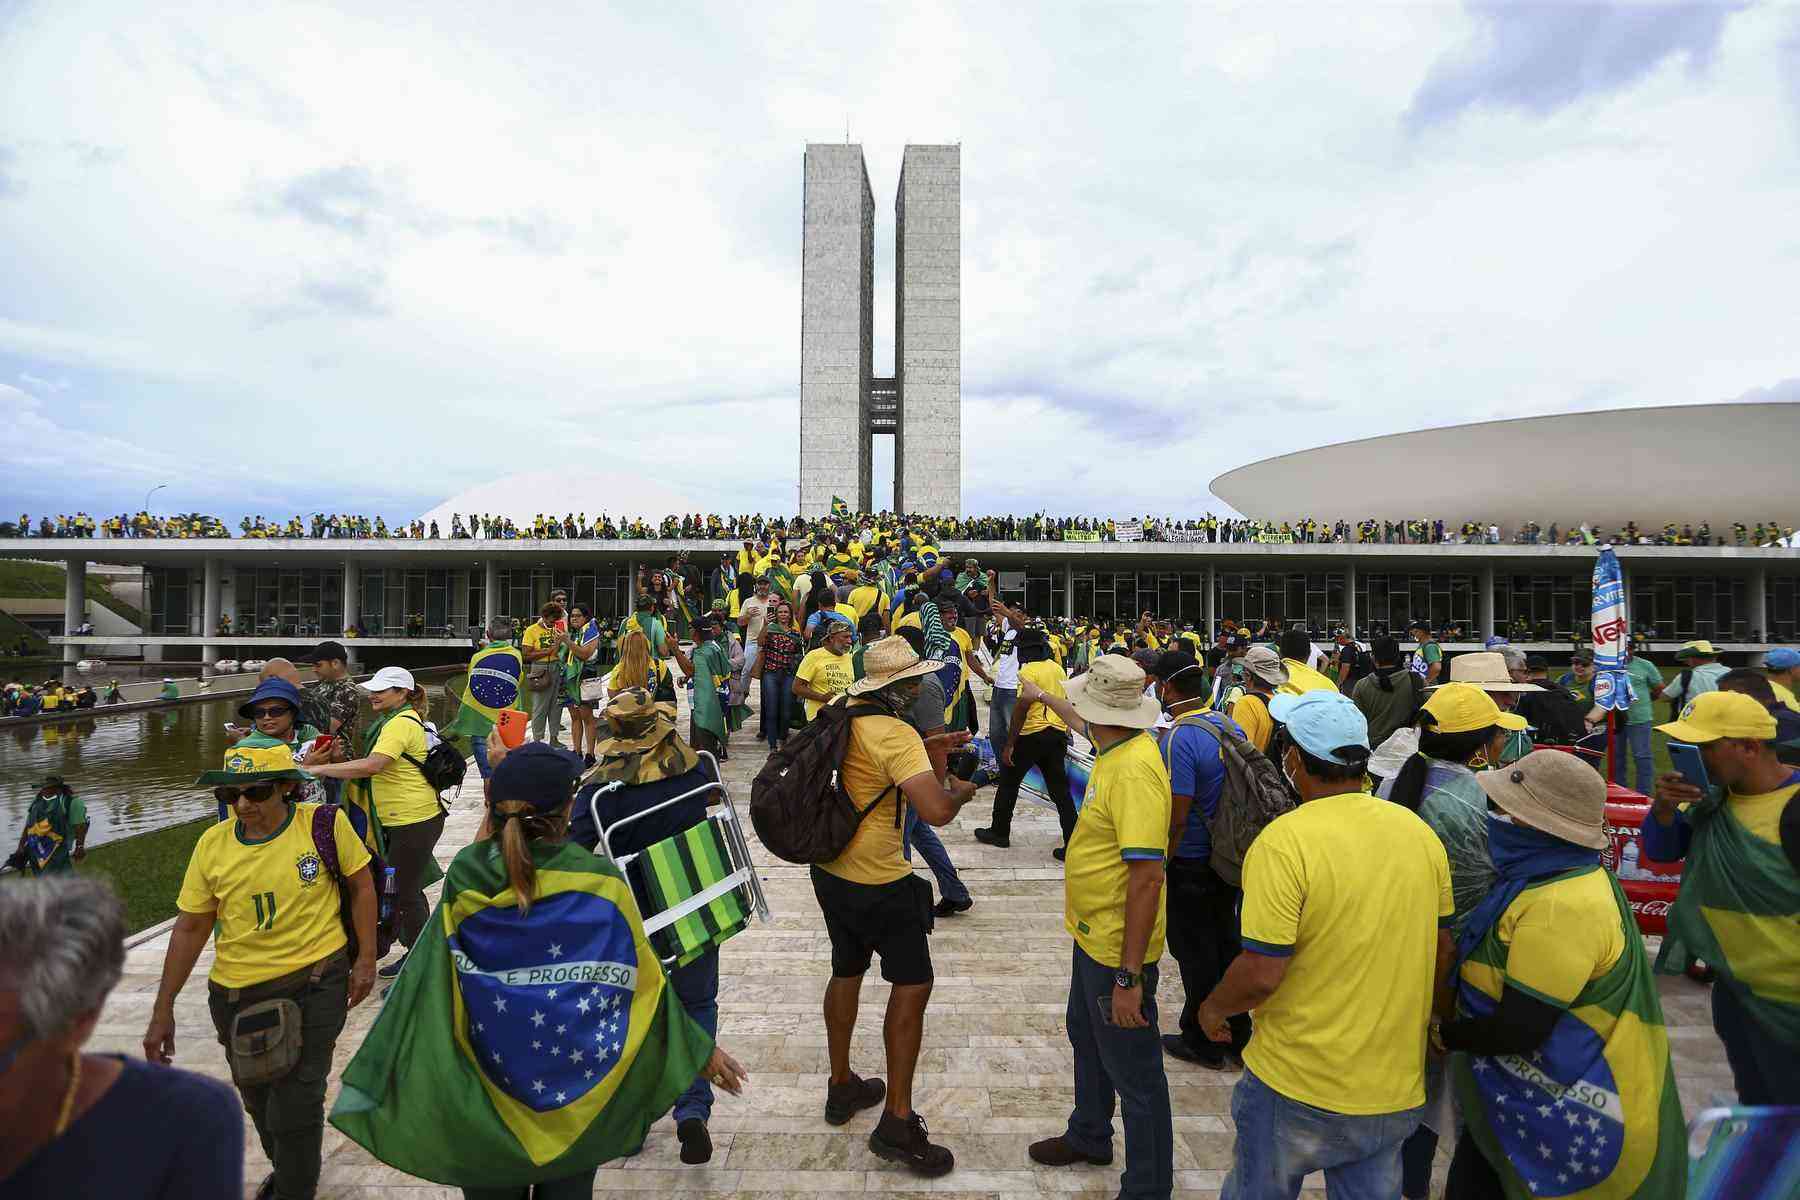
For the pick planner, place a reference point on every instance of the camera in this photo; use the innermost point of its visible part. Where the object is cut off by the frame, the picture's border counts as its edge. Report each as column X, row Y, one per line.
column 965, row 763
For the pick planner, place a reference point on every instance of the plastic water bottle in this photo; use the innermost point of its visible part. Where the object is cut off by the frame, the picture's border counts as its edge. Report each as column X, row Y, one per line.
column 387, row 896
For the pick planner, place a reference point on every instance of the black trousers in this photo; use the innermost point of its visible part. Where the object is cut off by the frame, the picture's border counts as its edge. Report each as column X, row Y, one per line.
column 1472, row 1176
column 409, row 848
column 1044, row 750
column 1202, row 929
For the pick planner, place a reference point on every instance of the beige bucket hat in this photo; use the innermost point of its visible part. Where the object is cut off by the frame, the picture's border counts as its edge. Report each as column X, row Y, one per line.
column 1486, row 669
column 1553, row 792
column 889, row 661
column 1112, row 693
column 1265, row 663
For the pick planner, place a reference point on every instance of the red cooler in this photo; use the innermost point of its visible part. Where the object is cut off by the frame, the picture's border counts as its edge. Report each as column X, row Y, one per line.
column 1650, row 886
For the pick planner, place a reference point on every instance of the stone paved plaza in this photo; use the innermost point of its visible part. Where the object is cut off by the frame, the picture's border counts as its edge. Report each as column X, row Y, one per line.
column 995, row 1069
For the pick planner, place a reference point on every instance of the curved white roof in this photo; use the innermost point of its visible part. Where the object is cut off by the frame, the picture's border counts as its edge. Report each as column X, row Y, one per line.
column 555, row 491
column 1698, row 462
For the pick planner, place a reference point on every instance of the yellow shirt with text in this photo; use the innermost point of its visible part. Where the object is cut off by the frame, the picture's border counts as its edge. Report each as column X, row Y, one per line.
column 274, row 903
column 825, row 672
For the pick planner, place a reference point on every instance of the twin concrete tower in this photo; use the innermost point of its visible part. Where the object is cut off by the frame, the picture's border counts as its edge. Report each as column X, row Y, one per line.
column 843, row 404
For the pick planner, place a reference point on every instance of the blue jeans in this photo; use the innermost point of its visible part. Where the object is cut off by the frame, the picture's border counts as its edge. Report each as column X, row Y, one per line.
column 1634, row 744
column 478, row 745
column 777, row 705
column 1127, row 1063
column 697, row 987
column 1281, row 1141
column 1000, row 711
column 931, row 848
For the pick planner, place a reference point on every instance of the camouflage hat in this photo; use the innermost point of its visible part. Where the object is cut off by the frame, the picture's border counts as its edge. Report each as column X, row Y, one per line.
column 643, row 746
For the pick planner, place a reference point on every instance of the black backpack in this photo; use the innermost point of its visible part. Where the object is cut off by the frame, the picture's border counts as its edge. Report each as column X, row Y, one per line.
column 444, row 765
column 1558, row 715
column 798, row 805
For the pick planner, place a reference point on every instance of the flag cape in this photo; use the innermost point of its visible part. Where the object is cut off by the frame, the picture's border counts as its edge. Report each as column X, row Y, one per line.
column 1612, row 683
column 47, row 834
column 1593, row 1113
column 493, row 682
column 521, row 1048
column 1739, row 912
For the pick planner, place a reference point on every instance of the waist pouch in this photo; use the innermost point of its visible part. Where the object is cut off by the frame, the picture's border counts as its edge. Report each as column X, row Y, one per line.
column 265, row 1041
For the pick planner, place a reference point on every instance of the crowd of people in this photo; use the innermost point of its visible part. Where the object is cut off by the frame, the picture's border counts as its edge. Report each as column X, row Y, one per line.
column 53, row 696
column 1037, row 527
column 1377, row 893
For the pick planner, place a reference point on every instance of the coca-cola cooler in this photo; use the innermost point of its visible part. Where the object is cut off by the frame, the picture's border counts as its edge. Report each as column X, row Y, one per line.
column 1650, row 886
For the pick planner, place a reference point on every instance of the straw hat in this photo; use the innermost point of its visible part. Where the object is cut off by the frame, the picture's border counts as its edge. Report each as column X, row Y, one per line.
column 1486, row 669
column 890, row 660
column 1112, row 693
column 1554, row 793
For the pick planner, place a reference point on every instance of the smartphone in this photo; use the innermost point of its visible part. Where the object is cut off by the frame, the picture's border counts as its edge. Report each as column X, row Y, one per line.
column 1104, row 1003
column 323, row 741
column 1686, row 759
column 512, row 724
column 232, row 727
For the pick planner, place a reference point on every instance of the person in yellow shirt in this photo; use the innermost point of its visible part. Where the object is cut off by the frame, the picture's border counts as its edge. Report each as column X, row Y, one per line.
column 405, row 805
column 826, row 672
column 866, row 597
column 1113, row 909
column 1264, row 674
column 1296, row 650
column 1037, row 737
column 259, row 888
column 1346, row 946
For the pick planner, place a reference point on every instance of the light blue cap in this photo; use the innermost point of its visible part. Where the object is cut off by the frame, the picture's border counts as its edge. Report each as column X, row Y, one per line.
column 1782, row 658
column 1322, row 723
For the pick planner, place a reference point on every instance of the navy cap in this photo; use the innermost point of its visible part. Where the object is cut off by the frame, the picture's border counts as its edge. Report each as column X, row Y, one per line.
column 272, row 688
column 538, row 773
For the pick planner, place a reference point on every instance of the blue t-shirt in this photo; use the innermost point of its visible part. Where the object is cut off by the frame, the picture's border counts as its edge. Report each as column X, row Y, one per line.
column 126, row 1147
column 1196, row 765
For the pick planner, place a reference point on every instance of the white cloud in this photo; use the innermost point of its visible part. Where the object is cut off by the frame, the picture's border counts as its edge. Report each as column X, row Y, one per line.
column 474, row 238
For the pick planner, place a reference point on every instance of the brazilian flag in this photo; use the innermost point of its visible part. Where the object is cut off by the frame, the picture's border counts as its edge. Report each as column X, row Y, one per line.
column 1593, row 1113
column 840, row 507
column 782, row 580
column 493, row 683
column 519, row 1047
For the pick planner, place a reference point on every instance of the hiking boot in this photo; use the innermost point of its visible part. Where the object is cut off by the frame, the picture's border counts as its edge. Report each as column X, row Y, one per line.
column 1177, row 1047
column 845, row 1100
column 905, row 1140
column 988, row 837
column 392, row 969
column 1055, row 1152
column 696, row 1142
column 949, row 908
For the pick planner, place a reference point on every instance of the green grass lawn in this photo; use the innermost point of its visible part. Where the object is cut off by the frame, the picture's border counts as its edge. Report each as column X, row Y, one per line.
column 146, row 870
column 42, row 579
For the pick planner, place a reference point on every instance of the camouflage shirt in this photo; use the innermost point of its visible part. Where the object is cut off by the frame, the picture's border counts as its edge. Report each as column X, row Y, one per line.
column 341, row 702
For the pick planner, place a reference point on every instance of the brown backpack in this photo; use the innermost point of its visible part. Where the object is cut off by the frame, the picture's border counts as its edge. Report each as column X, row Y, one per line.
column 798, row 805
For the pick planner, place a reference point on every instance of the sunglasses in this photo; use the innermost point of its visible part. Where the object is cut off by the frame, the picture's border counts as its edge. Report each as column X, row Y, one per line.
column 256, row 793
column 270, row 710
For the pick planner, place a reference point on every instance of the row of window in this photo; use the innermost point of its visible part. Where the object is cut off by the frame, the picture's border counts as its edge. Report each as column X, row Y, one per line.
column 450, row 601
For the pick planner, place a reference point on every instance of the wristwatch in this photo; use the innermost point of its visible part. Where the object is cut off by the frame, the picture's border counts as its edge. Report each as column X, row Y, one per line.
column 1127, row 979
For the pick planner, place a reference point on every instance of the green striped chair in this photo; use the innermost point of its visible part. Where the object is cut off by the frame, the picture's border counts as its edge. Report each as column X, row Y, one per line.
column 701, row 883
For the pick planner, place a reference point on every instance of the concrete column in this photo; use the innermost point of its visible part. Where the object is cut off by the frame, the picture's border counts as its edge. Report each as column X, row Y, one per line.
column 196, row 612
column 74, row 604
column 1209, row 608
column 1484, row 604
column 352, row 606
column 209, row 615
column 1759, row 604
column 490, row 592
column 228, row 595
column 1069, row 589
column 1350, row 598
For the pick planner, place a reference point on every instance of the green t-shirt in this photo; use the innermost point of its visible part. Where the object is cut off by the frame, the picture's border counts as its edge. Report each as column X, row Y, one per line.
column 169, row 691
column 1644, row 677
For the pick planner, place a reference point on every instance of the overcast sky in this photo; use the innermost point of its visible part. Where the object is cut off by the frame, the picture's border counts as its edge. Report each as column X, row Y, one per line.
column 291, row 258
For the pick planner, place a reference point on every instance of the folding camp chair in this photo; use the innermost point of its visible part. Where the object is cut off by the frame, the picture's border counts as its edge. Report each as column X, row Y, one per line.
column 701, row 882
column 1744, row 1154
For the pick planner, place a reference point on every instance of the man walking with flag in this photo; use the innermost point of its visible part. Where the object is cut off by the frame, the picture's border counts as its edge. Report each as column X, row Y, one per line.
column 493, row 684
column 533, row 1036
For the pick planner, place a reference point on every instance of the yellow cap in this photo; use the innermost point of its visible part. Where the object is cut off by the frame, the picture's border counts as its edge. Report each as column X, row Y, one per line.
column 1714, row 715
column 1464, row 708
column 1701, row 648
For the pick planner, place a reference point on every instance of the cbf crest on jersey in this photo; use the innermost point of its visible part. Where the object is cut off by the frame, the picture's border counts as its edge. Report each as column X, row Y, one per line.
column 522, row 1046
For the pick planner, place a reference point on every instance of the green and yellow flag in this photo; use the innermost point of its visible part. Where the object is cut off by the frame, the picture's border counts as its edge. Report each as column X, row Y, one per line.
column 522, row 1047
column 840, row 507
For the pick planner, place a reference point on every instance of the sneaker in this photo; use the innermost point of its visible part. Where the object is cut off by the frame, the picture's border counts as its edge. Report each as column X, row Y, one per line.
column 390, row 970
column 587, row 760
column 845, row 1100
column 1055, row 1152
column 949, row 908
column 988, row 837
column 1177, row 1046
column 696, row 1142
column 905, row 1140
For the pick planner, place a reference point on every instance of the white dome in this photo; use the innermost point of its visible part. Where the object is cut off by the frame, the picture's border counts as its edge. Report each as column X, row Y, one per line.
column 556, row 491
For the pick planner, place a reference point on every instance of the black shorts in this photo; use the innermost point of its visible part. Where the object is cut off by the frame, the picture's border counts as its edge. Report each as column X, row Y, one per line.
column 889, row 919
